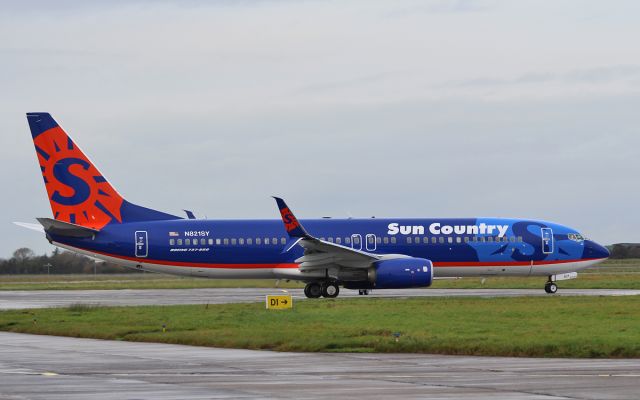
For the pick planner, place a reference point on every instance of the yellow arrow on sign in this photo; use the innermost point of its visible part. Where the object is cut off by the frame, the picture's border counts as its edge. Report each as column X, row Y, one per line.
column 278, row 302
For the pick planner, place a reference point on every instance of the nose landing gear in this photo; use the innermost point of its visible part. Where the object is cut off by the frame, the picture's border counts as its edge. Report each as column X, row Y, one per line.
column 550, row 287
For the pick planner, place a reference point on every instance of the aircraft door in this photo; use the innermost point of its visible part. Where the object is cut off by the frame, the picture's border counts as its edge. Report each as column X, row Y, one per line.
column 356, row 241
column 142, row 245
column 370, row 242
column 547, row 240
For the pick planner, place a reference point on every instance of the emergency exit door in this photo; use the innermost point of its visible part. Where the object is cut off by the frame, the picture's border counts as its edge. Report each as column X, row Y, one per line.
column 547, row 240
column 142, row 244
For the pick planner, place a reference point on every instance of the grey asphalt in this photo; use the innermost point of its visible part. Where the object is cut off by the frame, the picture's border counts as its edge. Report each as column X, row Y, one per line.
column 48, row 367
column 18, row 299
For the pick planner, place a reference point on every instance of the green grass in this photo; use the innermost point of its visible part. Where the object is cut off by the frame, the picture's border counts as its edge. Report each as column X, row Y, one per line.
column 527, row 326
column 612, row 274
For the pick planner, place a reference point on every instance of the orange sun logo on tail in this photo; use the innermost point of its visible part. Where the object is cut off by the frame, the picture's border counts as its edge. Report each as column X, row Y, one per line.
column 78, row 193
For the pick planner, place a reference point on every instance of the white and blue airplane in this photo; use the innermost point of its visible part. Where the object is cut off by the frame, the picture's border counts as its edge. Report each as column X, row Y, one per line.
column 90, row 217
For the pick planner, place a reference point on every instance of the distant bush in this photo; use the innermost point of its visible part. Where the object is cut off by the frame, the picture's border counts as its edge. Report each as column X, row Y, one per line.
column 25, row 261
column 625, row 250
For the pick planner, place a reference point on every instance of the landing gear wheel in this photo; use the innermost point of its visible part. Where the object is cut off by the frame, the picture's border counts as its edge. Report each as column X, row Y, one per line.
column 363, row 292
column 550, row 287
column 330, row 290
column 313, row 290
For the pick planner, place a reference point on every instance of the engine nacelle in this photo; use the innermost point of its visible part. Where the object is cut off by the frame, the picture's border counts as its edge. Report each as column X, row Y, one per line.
column 402, row 273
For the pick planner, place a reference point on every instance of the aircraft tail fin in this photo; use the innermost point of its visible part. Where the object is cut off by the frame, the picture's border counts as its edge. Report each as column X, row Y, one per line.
column 78, row 193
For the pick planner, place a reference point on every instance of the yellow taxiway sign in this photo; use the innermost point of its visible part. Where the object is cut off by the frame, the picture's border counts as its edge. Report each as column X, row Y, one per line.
column 279, row 302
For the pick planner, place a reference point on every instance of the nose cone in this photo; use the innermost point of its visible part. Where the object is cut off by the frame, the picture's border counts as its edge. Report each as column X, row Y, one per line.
column 594, row 250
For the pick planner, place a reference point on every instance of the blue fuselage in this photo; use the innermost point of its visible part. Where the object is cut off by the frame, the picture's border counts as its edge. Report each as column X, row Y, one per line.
column 257, row 248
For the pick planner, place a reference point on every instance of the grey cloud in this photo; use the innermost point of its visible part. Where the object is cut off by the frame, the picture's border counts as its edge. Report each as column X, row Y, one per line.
column 587, row 75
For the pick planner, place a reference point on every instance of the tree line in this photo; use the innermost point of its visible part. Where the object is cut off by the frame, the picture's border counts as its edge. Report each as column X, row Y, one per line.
column 625, row 250
column 25, row 261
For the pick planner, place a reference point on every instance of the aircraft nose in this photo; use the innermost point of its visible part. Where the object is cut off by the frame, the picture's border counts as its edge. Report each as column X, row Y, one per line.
column 595, row 250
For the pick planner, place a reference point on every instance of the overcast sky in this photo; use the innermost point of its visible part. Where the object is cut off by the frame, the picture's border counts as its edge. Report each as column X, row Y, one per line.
column 386, row 108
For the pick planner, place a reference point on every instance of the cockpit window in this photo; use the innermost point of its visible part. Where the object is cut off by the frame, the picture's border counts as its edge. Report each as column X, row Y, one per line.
column 576, row 237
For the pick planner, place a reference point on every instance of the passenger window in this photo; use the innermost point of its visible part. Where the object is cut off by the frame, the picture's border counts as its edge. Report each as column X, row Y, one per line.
column 441, row 240
column 356, row 240
column 330, row 240
column 512, row 239
column 393, row 240
column 482, row 239
column 203, row 242
column 490, row 239
column 370, row 239
column 425, row 240
column 274, row 241
column 187, row 242
column 434, row 240
column 241, row 241
column 347, row 240
column 378, row 240
column 519, row 239
column 249, row 241
column 210, row 242
column 466, row 239
column 409, row 240
column 225, row 241
column 458, row 239
column 179, row 242
column 385, row 240
column 416, row 240
column 234, row 241
column 266, row 240
column 339, row 240
column 283, row 241
column 258, row 241
column 218, row 241
column 450, row 239
column 172, row 242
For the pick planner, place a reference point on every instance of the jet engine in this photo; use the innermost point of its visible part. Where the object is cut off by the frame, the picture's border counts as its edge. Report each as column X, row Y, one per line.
column 397, row 273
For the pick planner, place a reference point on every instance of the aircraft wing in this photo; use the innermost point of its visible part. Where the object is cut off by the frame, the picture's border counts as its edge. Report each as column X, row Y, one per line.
column 321, row 254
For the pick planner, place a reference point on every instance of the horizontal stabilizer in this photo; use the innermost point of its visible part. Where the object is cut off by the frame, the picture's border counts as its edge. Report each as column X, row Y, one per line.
column 33, row 227
column 66, row 229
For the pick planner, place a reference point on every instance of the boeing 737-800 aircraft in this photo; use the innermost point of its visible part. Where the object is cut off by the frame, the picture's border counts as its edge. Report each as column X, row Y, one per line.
column 92, row 218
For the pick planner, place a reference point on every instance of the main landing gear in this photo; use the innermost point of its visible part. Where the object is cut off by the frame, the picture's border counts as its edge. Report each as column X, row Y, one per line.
column 363, row 292
column 550, row 287
column 328, row 289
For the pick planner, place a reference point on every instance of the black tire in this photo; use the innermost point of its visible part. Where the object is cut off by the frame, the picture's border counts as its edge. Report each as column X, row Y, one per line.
column 550, row 287
column 330, row 290
column 313, row 290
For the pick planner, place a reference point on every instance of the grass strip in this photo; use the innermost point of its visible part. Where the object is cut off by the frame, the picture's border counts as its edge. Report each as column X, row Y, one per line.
column 584, row 327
